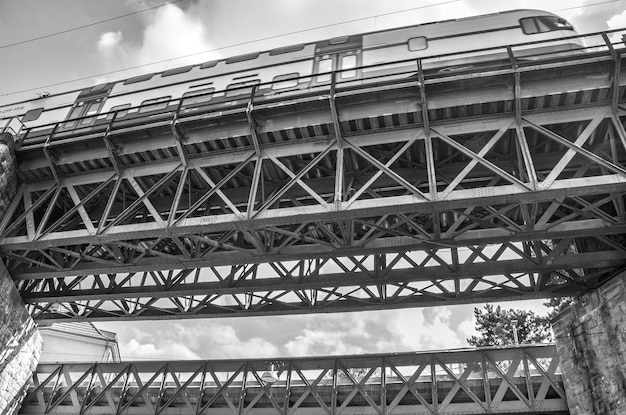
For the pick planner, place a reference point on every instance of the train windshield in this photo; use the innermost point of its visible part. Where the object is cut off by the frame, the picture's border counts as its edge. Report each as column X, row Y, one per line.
column 542, row 24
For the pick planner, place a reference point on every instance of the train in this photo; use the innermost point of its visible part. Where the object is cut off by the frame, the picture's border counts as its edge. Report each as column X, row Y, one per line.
column 284, row 72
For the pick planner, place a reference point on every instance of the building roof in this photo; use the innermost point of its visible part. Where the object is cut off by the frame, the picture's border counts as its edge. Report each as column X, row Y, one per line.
column 85, row 329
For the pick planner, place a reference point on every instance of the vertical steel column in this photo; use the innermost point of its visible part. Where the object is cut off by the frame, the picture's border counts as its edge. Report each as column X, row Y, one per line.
column 428, row 148
column 288, row 389
column 333, row 408
column 522, row 143
column 433, row 381
column 383, row 386
column 244, row 390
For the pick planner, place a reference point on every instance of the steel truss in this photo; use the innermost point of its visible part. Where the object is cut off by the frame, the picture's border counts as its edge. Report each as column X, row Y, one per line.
column 504, row 183
column 524, row 380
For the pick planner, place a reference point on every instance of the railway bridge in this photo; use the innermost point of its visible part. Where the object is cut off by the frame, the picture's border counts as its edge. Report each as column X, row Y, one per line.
column 498, row 180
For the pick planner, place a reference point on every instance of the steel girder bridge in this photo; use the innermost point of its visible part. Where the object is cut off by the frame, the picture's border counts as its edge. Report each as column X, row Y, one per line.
column 521, row 380
column 504, row 180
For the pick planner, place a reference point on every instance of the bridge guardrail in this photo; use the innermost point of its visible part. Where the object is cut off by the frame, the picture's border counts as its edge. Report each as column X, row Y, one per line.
column 437, row 69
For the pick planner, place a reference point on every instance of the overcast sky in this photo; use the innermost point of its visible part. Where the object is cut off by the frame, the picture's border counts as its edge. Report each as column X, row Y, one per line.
column 200, row 30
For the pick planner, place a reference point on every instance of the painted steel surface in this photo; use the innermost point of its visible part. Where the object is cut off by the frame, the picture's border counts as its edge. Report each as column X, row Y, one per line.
column 503, row 181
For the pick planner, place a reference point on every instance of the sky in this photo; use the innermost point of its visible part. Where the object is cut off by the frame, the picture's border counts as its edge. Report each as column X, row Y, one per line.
column 151, row 38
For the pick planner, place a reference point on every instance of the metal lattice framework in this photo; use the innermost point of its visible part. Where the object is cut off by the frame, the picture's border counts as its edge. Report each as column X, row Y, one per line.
column 522, row 380
column 416, row 189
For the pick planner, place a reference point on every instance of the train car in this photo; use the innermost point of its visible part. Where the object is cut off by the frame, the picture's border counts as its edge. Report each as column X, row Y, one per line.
column 286, row 71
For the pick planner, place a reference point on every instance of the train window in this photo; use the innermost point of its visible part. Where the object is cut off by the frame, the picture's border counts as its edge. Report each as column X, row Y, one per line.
column 177, row 71
column 324, row 66
column 242, row 58
column 208, row 64
column 529, row 25
column 347, row 63
column 287, row 49
column 154, row 104
column 32, row 115
column 92, row 109
column 338, row 40
column 252, row 75
column 197, row 97
column 99, row 87
column 289, row 80
column 75, row 113
column 542, row 24
column 122, row 111
column 139, row 78
column 418, row 43
column 241, row 88
column 200, row 85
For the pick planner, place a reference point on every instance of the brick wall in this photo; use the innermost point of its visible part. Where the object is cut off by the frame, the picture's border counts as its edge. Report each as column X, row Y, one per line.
column 591, row 342
column 20, row 342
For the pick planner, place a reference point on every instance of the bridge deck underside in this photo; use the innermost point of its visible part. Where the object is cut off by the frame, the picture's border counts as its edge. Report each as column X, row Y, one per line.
column 503, row 183
column 513, row 380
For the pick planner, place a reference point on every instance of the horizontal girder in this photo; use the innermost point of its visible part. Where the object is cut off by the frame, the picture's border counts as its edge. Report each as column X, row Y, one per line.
column 524, row 380
column 364, row 282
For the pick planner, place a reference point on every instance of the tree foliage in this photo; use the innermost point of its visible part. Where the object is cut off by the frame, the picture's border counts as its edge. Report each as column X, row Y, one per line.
column 496, row 329
column 357, row 373
column 557, row 304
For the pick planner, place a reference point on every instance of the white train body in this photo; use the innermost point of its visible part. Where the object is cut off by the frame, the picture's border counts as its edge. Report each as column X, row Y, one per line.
column 287, row 70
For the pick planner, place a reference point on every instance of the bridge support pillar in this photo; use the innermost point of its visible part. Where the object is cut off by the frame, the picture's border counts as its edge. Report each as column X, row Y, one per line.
column 591, row 343
column 20, row 342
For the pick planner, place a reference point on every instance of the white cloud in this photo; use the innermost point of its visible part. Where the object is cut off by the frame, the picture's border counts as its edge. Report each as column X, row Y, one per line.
column 190, row 340
column 169, row 33
column 109, row 40
column 341, row 334
column 467, row 328
column 379, row 332
column 427, row 329
column 223, row 342
column 321, row 342
column 172, row 33
column 135, row 350
column 618, row 21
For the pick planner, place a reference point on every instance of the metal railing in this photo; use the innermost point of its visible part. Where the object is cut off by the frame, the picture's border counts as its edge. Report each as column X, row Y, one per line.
column 520, row 379
column 437, row 69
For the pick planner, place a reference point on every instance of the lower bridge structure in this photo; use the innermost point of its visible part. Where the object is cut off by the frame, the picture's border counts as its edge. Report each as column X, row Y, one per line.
column 520, row 380
column 499, row 180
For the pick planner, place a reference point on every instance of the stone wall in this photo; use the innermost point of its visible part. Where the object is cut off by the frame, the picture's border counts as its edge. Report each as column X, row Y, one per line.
column 20, row 342
column 20, row 345
column 591, row 342
column 8, row 177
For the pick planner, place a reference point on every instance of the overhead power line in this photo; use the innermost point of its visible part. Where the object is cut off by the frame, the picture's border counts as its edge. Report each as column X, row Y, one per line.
column 588, row 5
column 8, row 45
column 220, row 48
column 235, row 44
column 319, row 27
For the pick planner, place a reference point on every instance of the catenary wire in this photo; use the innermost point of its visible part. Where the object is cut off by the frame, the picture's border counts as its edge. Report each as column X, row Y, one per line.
column 241, row 43
column 8, row 45
column 179, row 1
column 230, row 46
column 588, row 5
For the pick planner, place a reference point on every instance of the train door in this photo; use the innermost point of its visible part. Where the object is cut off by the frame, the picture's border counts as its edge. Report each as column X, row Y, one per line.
column 87, row 106
column 341, row 55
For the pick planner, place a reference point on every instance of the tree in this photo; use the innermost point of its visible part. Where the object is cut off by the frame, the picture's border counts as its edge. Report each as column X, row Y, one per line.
column 496, row 328
column 557, row 304
column 357, row 373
